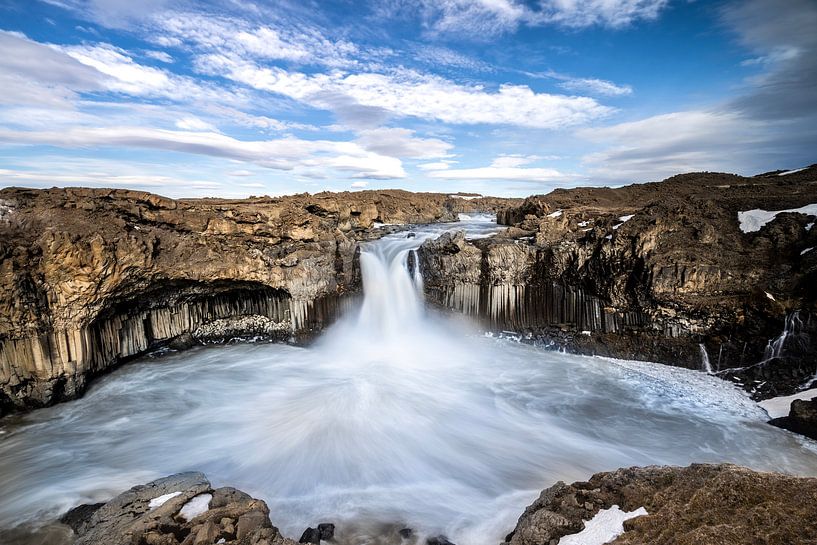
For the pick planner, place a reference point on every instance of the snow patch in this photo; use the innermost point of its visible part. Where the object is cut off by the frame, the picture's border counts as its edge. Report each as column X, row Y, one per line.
column 809, row 226
column 807, row 250
column 753, row 220
column 609, row 237
column 584, row 223
column 163, row 499
column 780, row 406
column 555, row 214
column 196, row 506
column 5, row 209
column 607, row 525
column 770, row 296
column 465, row 197
column 792, row 171
column 624, row 219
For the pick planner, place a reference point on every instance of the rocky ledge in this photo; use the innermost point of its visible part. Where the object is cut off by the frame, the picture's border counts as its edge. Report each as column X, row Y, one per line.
column 92, row 277
column 695, row 505
column 699, row 504
column 180, row 509
column 689, row 271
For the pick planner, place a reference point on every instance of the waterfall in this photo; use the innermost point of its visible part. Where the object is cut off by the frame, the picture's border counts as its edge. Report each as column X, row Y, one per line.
column 705, row 365
column 391, row 303
column 792, row 325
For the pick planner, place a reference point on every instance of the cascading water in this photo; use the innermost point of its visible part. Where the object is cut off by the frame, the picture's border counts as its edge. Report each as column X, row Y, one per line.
column 396, row 418
column 791, row 326
column 705, row 365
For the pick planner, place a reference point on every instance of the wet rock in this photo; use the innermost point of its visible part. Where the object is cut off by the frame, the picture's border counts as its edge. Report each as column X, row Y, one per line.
column 311, row 535
column 405, row 533
column 411, row 235
column 438, row 540
column 723, row 504
column 802, row 418
column 78, row 517
column 326, row 530
column 152, row 514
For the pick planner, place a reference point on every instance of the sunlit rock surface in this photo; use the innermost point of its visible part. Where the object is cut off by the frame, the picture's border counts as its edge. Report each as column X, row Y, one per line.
column 91, row 277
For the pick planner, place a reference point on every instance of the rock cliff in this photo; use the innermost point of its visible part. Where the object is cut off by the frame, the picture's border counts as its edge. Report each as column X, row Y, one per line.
column 661, row 271
column 89, row 278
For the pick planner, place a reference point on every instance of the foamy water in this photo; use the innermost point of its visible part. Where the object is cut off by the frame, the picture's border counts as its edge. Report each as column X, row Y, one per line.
column 395, row 418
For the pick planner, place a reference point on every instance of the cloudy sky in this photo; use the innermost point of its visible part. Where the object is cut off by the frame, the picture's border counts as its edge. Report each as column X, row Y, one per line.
column 503, row 97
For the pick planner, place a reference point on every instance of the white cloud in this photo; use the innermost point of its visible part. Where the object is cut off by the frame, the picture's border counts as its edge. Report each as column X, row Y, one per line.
column 240, row 173
column 53, row 80
column 408, row 93
column 398, row 142
column 433, row 166
column 359, row 185
column 612, row 13
column 193, row 123
column 512, row 161
column 593, row 86
column 160, row 56
column 237, row 37
column 504, row 167
column 663, row 145
column 281, row 154
column 479, row 19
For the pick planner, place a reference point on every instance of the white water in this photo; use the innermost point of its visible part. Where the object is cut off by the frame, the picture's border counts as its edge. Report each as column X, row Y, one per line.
column 705, row 365
column 395, row 418
column 791, row 326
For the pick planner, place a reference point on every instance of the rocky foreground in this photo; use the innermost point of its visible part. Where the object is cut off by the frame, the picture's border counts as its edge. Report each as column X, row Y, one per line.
column 663, row 272
column 699, row 504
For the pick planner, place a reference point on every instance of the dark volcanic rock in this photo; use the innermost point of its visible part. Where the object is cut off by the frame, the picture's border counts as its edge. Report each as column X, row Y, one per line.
column 650, row 272
column 311, row 535
column 327, row 530
column 225, row 515
column 695, row 505
column 802, row 418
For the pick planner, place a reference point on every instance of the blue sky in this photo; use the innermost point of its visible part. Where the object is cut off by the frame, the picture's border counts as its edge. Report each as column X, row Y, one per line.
column 235, row 98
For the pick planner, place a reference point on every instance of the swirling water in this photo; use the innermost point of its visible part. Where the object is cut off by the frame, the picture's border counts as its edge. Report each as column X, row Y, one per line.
column 397, row 417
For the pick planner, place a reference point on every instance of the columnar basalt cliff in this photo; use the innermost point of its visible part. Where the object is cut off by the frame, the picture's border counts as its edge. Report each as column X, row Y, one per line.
column 89, row 278
column 660, row 271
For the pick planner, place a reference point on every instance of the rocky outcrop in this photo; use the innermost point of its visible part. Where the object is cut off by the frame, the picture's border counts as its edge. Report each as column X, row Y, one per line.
column 182, row 509
column 802, row 418
column 659, row 272
column 723, row 504
column 90, row 278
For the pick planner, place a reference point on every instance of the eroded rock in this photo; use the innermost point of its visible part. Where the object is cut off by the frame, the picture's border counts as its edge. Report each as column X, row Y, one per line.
column 723, row 504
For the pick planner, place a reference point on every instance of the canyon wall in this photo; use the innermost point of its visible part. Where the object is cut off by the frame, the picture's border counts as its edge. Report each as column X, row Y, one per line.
column 660, row 272
column 90, row 278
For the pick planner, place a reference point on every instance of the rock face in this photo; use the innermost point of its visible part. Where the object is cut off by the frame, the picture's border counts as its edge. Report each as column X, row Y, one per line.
column 802, row 418
column 711, row 504
column 90, row 278
column 660, row 272
column 180, row 509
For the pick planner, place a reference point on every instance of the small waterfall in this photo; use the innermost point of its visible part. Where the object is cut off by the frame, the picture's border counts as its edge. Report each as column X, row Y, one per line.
column 391, row 301
column 792, row 325
column 705, row 365
column 417, row 276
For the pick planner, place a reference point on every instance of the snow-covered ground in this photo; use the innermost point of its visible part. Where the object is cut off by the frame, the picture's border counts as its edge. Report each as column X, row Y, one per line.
column 607, row 525
column 753, row 220
column 779, row 406
column 792, row 171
